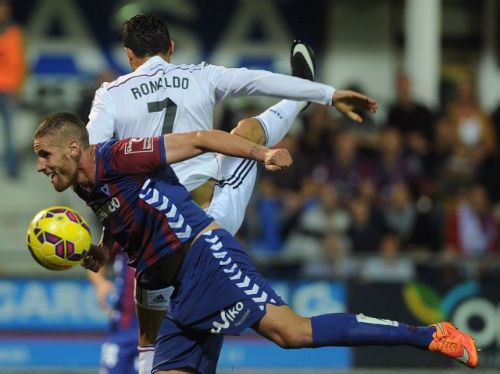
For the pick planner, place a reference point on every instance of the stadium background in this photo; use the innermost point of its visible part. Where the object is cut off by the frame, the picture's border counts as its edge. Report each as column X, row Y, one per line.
column 50, row 322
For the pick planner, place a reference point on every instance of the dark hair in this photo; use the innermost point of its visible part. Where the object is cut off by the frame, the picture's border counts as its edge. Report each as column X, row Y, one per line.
column 63, row 124
column 146, row 35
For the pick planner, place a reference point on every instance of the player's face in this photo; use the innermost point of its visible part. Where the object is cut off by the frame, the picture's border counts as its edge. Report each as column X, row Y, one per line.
column 52, row 159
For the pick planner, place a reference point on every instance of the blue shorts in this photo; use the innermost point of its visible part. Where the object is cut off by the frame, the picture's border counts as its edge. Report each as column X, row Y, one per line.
column 217, row 292
column 119, row 354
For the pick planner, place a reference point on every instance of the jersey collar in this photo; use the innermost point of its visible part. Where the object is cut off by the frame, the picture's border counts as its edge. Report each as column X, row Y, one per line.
column 151, row 63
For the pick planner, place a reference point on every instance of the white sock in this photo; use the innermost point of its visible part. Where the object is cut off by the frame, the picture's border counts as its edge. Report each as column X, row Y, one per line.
column 277, row 120
column 146, row 355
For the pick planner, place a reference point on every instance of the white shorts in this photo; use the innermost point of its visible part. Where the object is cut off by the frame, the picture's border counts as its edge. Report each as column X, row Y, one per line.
column 194, row 172
column 233, row 191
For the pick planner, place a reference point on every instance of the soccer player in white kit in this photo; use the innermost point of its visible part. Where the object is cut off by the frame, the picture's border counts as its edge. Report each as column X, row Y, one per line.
column 159, row 97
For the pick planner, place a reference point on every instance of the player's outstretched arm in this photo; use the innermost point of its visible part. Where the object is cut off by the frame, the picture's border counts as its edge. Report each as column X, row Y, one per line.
column 347, row 102
column 182, row 146
column 238, row 82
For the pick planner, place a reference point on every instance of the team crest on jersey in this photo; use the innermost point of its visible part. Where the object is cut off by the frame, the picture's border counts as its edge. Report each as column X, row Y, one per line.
column 139, row 145
column 105, row 190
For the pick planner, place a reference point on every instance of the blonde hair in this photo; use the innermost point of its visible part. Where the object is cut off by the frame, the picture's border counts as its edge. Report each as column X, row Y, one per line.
column 63, row 124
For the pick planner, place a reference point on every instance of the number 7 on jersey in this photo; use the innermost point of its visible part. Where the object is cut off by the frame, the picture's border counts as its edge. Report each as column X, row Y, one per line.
column 170, row 111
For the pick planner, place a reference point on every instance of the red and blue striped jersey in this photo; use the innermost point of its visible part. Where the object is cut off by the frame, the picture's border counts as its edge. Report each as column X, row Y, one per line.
column 139, row 199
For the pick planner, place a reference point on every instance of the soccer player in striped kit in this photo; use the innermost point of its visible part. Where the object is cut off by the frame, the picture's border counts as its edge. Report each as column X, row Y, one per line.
column 160, row 97
column 119, row 352
column 171, row 241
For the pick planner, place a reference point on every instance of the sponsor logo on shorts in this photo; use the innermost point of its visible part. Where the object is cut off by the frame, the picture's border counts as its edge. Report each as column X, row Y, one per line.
column 231, row 315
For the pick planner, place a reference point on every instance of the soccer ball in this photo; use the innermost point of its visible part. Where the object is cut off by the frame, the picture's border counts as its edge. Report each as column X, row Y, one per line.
column 58, row 238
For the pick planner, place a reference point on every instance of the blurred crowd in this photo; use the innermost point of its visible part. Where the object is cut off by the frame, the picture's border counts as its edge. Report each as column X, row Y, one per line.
column 414, row 197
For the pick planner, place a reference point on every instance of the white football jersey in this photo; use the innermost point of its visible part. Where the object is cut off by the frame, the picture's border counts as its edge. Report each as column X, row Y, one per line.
column 159, row 98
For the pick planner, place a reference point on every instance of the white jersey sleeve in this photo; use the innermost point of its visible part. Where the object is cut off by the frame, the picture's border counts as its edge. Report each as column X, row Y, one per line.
column 160, row 98
column 227, row 82
column 102, row 117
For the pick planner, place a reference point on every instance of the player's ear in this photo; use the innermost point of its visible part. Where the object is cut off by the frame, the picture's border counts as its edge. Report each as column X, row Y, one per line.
column 131, row 57
column 172, row 48
column 74, row 149
column 130, row 54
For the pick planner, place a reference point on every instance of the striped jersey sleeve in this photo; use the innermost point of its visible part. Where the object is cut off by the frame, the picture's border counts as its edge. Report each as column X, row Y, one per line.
column 138, row 155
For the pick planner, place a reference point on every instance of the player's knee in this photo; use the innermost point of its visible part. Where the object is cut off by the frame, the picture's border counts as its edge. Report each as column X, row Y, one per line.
column 250, row 129
column 294, row 336
column 292, row 340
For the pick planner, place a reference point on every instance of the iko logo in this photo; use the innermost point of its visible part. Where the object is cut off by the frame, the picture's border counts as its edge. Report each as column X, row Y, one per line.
column 227, row 316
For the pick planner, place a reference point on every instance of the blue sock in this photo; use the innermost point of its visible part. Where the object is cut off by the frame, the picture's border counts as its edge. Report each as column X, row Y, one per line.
column 345, row 329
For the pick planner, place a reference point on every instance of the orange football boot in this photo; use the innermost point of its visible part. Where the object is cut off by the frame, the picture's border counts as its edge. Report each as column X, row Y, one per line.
column 451, row 342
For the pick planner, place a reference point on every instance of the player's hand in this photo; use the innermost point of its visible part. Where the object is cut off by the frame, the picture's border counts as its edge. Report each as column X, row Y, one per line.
column 95, row 258
column 277, row 159
column 347, row 102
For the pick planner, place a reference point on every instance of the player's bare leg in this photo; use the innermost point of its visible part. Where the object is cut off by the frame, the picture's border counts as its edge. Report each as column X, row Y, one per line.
column 250, row 129
column 284, row 327
column 149, row 324
column 273, row 124
column 289, row 330
column 203, row 195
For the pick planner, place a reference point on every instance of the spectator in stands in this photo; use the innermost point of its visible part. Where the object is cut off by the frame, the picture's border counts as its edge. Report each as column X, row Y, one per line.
column 290, row 180
column 414, row 120
column 367, row 227
column 267, row 218
column 474, row 135
column 395, row 164
column 388, row 266
column 399, row 211
column 297, row 188
column 442, row 148
column 346, row 169
column 322, row 217
column 314, row 139
column 12, row 69
column 295, row 204
column 470, row 228
column 336, row 260
column 427, row 231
